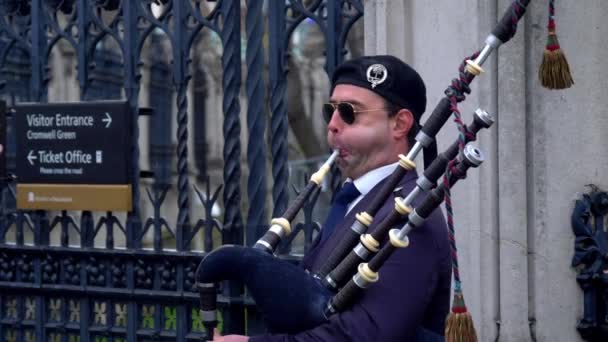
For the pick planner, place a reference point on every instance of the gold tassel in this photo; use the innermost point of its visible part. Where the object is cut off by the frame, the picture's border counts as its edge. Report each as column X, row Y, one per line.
column 459, row 325
column 554, row 72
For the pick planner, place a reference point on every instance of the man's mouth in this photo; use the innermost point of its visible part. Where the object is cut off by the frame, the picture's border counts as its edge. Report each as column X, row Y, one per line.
column 342, row 151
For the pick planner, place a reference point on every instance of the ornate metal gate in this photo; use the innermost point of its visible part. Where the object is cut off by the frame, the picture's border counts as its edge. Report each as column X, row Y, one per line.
column 82, row 289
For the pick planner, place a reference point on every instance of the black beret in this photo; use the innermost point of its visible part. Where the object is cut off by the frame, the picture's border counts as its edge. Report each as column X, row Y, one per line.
column 386, row 76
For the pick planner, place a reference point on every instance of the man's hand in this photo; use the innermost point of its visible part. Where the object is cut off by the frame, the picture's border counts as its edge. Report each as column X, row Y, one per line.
column 228, row 338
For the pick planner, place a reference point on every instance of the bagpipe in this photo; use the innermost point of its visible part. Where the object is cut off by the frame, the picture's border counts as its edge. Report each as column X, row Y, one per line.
column 292, row 299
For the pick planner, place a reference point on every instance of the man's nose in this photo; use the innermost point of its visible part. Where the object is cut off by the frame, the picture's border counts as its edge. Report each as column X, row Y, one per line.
column 336, row 123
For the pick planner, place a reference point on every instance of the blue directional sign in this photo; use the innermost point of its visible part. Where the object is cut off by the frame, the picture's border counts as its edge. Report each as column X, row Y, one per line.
column 74, row 143
column 74, row 156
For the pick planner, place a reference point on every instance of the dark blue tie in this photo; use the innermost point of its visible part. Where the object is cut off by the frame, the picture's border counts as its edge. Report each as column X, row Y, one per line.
column 347, row 194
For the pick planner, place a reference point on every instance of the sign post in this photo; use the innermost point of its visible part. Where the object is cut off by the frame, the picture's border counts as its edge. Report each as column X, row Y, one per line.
column 74, row 156
column 3, row 174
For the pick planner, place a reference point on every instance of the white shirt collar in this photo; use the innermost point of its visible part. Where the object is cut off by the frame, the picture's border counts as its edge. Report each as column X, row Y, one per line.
column 369, row 180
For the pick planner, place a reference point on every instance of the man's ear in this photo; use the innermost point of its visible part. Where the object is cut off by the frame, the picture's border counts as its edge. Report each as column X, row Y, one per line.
column 403, row 122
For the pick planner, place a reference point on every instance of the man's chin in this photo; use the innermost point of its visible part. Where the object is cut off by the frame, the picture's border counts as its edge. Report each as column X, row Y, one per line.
column 345, row 172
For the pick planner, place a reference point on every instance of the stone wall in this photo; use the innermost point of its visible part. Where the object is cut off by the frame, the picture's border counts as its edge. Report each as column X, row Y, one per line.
column 513, row 214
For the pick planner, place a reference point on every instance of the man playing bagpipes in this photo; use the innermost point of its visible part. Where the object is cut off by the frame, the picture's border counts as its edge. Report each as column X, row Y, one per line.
column 372, row 118
column 394, row 285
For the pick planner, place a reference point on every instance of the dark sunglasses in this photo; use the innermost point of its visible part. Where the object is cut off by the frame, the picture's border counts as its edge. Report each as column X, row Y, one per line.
column 346, row 110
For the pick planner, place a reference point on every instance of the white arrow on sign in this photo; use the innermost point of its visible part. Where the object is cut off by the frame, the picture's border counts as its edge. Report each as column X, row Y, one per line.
column 31, row 157
column 107, row 119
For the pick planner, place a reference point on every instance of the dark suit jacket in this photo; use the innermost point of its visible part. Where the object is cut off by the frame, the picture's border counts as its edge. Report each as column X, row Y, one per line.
column 413, row 290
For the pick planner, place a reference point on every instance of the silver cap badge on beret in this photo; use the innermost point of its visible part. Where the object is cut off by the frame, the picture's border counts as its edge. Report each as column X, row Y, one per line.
column 376, row 74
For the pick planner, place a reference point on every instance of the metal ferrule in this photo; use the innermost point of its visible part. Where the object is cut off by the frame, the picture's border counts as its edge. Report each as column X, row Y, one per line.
column 411, row 155
column 493, row 41
column 404, row 231
column 423, row 139
column 209, row 315
column 358, row 227
column 491, row 44
column 482, row 115
column 329, row 280
column 361, row 251
column 360, row 281
column 275, row 228
column 473, row 155
column 415, row 219
column 423, row 183
column 329, row 309
column 265, row 244
column 410, row 197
